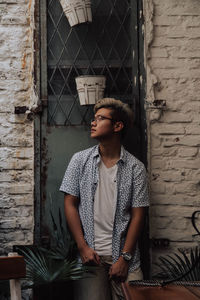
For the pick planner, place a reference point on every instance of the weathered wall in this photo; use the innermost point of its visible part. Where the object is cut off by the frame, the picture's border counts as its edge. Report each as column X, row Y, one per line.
column 172, row 52
column 16, row 131
column 172, row 36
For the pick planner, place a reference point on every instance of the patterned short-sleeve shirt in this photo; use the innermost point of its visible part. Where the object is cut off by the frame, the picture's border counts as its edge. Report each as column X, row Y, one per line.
column 80, row 180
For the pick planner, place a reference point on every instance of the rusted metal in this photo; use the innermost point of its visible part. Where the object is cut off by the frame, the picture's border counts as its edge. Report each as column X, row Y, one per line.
column 21, row 109
column 37, row 126
column 45, row 236
column 40, row 84
column 159, row 103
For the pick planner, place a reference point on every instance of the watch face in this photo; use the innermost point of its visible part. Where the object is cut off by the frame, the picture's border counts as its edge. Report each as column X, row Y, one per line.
column 127, row 256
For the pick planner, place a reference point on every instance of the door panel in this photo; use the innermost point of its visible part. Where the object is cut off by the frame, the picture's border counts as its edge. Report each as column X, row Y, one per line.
column 107, row 46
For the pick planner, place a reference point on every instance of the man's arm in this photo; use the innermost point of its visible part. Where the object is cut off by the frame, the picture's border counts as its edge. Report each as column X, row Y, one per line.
column 119, row 270
column 88, row 255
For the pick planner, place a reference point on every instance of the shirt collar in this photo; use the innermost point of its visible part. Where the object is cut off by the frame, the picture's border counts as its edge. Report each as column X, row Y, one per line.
column 122, row 154
column 97, row 154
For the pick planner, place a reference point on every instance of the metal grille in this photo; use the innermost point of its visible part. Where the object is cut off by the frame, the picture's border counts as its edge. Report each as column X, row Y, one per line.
column 103, row 47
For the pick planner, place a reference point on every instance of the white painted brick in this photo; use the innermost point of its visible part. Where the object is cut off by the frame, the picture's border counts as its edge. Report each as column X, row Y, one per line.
column 157, row 187
column 8, row 200
column 5, row 177
column 193, row 129
column 16, row 188
column 174, row 141
column 178, row 8
column 17, row 212
column 28, row 236
column 155, row 141
column 188, row 187
column 157, row 52
column 171, row 211
column 14, row 238
column 158, row 163
column 177, row 73
column 17, row 164
column 14, row 223
column 178, row 199
column 6, row 152
column 176, row 117
column 183, row 164
column 170, row 176
column 171, row 234
column 16, row 176
column 188, row 151
column 167, row 41
column 167, row 20
column 25, row 223
column 179, row 223
column 168, row 129
column 165, row 152
column 13, row 1
column 186, row 140
column 16, row 133
column 8, row 223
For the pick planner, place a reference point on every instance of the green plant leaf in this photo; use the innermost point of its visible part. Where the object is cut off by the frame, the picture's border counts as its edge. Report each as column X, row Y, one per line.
column 180, row 265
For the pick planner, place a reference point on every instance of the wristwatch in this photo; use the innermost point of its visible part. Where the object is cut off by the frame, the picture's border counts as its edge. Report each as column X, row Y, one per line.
column 126, row 256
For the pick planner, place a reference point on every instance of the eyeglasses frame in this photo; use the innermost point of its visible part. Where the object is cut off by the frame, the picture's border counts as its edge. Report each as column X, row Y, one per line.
column 100, row 118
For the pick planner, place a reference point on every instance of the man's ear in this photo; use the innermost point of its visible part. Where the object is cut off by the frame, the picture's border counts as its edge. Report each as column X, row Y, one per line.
column 118, row 126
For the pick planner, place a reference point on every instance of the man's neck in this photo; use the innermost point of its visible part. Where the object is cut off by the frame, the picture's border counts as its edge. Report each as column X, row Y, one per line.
column 110, row 152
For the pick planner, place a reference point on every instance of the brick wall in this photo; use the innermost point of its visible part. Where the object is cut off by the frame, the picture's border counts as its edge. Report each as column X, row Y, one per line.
column 173, row 74
column 16, row 131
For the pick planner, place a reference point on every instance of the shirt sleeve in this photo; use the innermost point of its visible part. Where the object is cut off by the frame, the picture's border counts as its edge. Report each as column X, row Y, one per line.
column 140, row 187
column 70, row 182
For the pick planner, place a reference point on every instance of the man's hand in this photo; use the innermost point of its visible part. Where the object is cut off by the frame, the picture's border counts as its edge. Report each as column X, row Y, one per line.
column 89, row 256
column 119, row 270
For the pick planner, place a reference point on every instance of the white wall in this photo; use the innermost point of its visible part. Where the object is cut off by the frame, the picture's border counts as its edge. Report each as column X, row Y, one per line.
column 172, row 33
column 16, row 131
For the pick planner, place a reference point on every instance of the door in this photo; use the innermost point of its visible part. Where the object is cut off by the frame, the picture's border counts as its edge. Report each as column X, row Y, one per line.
column 107, row 46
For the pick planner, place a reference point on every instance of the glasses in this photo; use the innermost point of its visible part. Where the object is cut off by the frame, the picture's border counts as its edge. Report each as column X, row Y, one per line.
column 99, row 118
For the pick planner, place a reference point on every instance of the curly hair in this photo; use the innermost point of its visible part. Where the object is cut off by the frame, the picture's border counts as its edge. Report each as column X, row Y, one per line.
column 119, row 111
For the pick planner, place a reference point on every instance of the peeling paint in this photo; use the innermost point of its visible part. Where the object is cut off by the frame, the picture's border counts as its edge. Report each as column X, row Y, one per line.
column 152, row 79
column 24, row 61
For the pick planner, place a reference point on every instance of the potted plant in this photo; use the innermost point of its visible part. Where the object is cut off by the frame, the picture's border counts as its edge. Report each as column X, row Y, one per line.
column 50, row 272
column 90, row 88
column 180, row 266
column 77, row 11
column 178, row 279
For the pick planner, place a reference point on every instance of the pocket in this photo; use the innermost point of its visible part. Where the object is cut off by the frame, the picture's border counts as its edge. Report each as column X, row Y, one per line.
column 135, row 275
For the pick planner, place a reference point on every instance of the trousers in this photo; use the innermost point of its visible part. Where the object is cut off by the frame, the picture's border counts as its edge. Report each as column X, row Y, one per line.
column 98, row 286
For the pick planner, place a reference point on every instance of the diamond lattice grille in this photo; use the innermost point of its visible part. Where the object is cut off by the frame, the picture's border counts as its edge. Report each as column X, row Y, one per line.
column 103, row 47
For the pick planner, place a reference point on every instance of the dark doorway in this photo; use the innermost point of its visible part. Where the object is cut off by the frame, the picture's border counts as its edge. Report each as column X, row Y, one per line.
column 112, row 46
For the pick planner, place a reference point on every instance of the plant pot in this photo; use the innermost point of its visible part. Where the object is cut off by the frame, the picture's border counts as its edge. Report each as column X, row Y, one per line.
column 90, row 88
column 77, row 11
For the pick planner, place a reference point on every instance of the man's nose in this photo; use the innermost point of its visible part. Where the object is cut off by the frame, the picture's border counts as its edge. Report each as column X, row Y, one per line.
column 93, row 123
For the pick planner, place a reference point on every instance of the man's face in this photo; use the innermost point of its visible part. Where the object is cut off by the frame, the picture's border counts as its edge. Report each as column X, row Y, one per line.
column 102, row 127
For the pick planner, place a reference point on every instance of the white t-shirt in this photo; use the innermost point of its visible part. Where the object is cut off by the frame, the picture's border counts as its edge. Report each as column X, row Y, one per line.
column 104, row 209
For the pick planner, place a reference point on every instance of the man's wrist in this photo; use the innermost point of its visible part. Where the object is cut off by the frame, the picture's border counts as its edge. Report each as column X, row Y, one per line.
column 122, row 260
column 127, row 256
column 82, row 246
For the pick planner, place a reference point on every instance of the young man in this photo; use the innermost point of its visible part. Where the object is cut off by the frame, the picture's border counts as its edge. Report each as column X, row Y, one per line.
column 105, row 198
